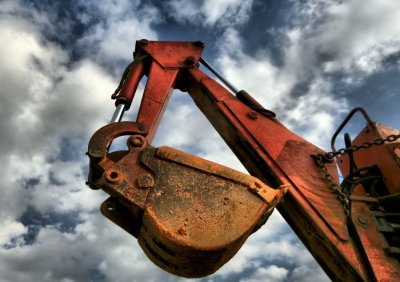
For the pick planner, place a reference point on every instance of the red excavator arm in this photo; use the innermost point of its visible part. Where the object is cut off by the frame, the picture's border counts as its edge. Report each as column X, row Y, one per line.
column 190, row 216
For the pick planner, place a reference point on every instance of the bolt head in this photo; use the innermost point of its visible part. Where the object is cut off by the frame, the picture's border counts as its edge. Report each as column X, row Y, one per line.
column 142, row 127
column 199, row 43
column 144, row 42
column 96, row 152
column 363, row 220
column 189, row 61
column 112, row 176
column 253, row 115
column 137, row 141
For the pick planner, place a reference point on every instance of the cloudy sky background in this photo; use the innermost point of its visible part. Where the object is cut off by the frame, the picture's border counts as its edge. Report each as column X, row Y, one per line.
column 310, row 61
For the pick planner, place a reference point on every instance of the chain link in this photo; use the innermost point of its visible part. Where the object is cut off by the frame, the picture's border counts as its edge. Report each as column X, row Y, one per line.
column 328, row 157
column 365, row 145
column 343, row 197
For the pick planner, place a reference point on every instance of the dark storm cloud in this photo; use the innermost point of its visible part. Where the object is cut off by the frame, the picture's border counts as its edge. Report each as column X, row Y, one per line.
column 271, row 19
column 47, row 229
column 87, row 28
column 34, row 220
column 392, row 61
column 209, row 14
column 380, row 91
column 66, row 23
column 30, row 183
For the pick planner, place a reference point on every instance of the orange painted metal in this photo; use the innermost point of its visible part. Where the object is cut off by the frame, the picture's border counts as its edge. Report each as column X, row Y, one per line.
column 369, row 218
column 385, row 156
column 268, row 150
column 155, row 97
column 130, row 84
column 373, row 244
column 274, row 154
column 189, row 215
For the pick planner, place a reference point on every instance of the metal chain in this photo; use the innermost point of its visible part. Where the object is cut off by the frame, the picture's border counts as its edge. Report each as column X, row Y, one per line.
column 343, row 197
column 365, row 145
column 328, row 157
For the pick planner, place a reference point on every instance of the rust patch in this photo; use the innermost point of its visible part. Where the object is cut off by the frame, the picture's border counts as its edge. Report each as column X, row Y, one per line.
column 182, row 231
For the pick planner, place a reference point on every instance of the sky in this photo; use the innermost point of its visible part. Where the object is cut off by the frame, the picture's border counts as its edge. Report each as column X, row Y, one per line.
column 309, row 61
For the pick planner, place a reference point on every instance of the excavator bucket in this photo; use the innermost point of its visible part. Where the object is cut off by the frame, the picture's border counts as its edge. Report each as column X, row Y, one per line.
column 189, row 215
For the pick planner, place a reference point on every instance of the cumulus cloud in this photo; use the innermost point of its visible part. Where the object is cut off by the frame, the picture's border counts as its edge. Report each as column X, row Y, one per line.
column 351, row 37
column 10, row 229
column 269, row 273
column 94, row 252
column 273, row 253
column 116, row 26
column 312, row 115
column 327, row 44
column 51, row 229
column 184, row 127
column 24, row 86
column 315, row 115
column 338, row 47
column 256, row 72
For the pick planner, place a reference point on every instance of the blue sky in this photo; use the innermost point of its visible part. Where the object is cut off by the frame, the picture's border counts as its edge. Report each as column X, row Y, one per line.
column 310, row 61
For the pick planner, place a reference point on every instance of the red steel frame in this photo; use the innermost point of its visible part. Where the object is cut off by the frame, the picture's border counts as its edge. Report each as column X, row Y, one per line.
column 266, row 148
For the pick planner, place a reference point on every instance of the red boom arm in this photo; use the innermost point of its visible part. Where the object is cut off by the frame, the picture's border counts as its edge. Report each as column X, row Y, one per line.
column 267, row 149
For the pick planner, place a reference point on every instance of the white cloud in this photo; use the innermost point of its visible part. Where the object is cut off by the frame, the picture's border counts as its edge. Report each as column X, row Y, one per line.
column 306, row 273
column 46, row 115
column 312, row 115
column 315, row 115
column 12, row 9
column 119, row 25
column 184, row 127
column 10, row 229
column 256, row 74
column 23, row 86
column 97, row 247
column 351, row 36
column 270, row 273
column 254, row 248
column 273, row 243
column 49, row 109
